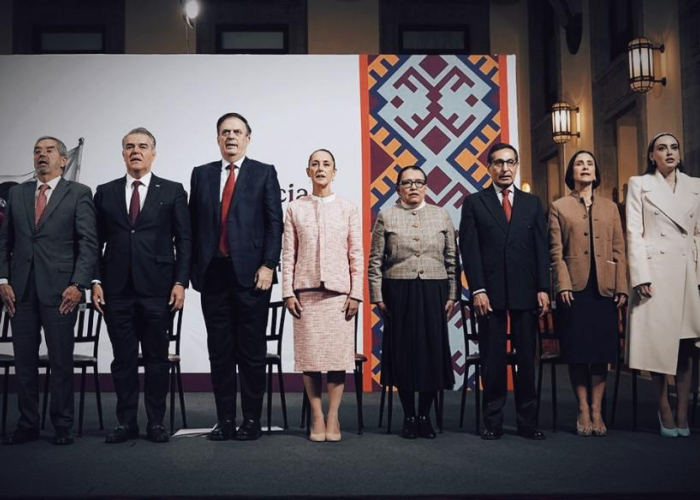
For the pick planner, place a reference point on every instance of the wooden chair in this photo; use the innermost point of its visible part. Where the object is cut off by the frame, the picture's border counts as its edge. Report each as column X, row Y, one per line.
column 621, row 349
column 549, row 353
column 87, row 331
column 276, row 319
column 7, row 361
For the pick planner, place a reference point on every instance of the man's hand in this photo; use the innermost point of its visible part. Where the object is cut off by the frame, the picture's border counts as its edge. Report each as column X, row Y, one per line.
column 98, row 297
column 71, row 298
column 543, row 302
column 566, row 297
column 448, row 307
column 294, row 306
column 8, row 298
column 177, row 298
column 350, row 308
column 263, row 278
column 644, row 290
column 620, row 300
column 385, row 311
column 482, row 305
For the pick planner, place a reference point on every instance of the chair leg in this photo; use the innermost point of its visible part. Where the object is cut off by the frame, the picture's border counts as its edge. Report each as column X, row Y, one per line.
column 540, row 373
column 634, row 400
column 441, row 412
column 477, row 396
column 181, row 392
column 98, row 396
column 390, row 409
column 616, row 389
column 172, row 397
column 381, row 405
column 554, row 397
column 304, row 408
column 45, row 405
column 6, row 389
column 308, row 414
column 357, row 373
column 463, row 403
column 81, row 411
column 283, row 397
column 269, row 399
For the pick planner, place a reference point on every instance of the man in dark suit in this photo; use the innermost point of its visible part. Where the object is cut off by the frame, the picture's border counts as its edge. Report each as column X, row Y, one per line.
column 144, row 226
column 504, row 252
column 48, row 249
column 237, row 225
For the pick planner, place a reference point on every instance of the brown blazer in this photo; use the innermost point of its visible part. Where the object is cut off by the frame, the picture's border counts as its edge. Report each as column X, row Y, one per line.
column 569, row 245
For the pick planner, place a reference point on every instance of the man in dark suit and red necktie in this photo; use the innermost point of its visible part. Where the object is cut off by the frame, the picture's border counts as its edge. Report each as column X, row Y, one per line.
column 503, row 241
column 48, row 250
column 237, row 225
column 145, row 247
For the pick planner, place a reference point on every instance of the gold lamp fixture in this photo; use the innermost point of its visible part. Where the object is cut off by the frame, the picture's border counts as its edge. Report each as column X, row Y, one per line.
column 640, row 54
column 562, row 129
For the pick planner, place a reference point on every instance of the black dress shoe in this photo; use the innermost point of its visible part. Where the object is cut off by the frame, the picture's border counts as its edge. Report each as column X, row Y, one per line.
column 492, row 434
column 122, row 433
column 21, row 435
column 532, row 433
column 157, row 434
column 249, row 430
column 223, row 430
column 410, row 428
column 63, row 436
column 425, row 428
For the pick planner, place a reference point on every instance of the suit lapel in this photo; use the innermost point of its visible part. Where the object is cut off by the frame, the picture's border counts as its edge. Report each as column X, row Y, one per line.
column 519, row 208
column 490, row 199
column 152, row 198
column 659, row 193
column 119, row 193
column 29, row 201
column 241, row 181
column 215, row 187
column 689, row 194
column 54, row 200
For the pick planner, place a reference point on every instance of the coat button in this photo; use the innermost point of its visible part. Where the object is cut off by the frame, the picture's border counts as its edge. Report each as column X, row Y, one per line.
column 684, row 235
column 586, row 233
column 656, row 212
column 133, row 231
column 414, row 225
column 416, row 238
column 663, row 234
column 417, row 254
column 421, row 271
column 414, row 212
column 663, row 252
column 585, row 252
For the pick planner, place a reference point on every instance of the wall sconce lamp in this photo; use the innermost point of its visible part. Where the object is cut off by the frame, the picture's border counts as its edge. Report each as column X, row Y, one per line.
column 562, row 129
column 640, row 54
column 526, row 187
column 190, row 11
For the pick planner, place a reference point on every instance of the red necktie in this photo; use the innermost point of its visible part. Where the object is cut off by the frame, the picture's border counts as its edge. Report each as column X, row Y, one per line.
column 40, row 204
column 135, row 205
column 225, row 204
column 507, row 207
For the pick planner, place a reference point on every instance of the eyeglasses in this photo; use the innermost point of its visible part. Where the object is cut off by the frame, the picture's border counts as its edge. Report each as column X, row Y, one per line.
column 228, row 133
column 419, row 183
column 502, row 163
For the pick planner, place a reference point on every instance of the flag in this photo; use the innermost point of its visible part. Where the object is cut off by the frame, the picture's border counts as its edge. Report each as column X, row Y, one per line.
column 71, row 172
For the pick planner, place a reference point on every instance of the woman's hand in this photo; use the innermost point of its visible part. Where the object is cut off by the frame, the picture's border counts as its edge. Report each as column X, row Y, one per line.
column 448, row 307
column 566, row 297
column 620, row 300
column 350, row 308
column 644, row 290
column 294, row 307
column 385, row 311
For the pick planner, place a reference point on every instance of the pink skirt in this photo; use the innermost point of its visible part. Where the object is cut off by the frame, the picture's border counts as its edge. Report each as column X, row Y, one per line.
column 323, row 339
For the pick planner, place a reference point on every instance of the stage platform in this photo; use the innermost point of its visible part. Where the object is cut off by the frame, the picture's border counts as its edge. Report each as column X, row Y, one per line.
column 457, row 464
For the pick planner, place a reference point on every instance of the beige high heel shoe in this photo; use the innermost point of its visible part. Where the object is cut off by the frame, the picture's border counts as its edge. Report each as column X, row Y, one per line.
column 318, row 436
column 599, row 430
column 583, row 429
column 333, row 436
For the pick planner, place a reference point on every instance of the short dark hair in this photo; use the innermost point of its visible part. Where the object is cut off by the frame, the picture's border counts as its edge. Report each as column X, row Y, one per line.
column 140, row 130
column 501, row 145
column 569, row 177
column 651, row 166
column 405, row 169
column 322, row 150
column 233, row 115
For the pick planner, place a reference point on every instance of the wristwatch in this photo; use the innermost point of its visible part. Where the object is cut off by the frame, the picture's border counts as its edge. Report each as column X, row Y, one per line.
column 78, row 286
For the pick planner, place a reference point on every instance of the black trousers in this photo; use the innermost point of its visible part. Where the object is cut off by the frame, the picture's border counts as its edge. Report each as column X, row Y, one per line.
column 492, row 347
column 30, row 317
column 132, row 318
column 236, row 320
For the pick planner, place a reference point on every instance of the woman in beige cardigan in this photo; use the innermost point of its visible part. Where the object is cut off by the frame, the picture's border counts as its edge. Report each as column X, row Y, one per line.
column 663, row 236
column 587, row 250
column 413, row 280
column 322, row 273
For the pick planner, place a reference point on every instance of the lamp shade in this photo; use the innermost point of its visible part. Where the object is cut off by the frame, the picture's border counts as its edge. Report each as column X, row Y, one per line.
column 640, row 55
column 561, row 122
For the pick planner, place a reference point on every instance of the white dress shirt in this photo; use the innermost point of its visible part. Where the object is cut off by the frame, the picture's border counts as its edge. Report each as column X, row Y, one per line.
column 225, row 172
column 143, row 189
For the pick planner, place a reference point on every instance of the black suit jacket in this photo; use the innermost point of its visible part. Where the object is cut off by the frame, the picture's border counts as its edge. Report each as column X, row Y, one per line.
column 157, row 251
column 510, row 261
column 62, row 250
column 254, row 222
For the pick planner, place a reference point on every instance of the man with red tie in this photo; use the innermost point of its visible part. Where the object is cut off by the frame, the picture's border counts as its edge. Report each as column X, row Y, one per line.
column 145, row 247
column 48, row 250
column 236, row 217
column 503, row 242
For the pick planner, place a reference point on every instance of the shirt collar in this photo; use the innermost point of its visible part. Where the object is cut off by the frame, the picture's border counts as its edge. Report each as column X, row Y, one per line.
column 323, row 199
column 145, row 180
column 499, row 189
column 238, row 163
column 408, row 207
column 52, row 183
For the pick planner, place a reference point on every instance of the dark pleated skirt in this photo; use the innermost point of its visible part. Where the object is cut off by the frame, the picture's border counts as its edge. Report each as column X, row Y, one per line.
column 416, row 352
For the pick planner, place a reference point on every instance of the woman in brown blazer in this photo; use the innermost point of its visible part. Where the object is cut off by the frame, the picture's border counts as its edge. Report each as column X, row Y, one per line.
column 587, row 250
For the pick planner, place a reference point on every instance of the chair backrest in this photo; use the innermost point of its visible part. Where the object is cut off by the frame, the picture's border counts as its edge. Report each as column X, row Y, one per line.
column 357, row 324
column 6, row 331
column 88, row 326
column 547, row 336
column 277, row 315
column 175, row 329
column 470, row 327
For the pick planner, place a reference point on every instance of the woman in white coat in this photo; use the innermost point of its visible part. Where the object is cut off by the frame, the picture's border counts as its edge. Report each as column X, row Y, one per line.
column 663, row 236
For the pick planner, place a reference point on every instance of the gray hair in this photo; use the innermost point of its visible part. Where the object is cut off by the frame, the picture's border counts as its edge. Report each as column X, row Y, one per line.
column 140, row 130
column 62, row 149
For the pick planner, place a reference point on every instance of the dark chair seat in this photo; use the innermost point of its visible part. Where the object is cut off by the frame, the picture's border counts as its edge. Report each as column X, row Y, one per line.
column 7, row 359
column 270, row 356
column 360, row 358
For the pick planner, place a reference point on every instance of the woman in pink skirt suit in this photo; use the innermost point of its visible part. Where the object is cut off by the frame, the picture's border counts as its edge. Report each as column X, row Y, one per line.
column 322, row 273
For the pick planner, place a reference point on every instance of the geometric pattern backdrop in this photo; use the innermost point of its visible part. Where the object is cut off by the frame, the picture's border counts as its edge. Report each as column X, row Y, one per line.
column 442, row 113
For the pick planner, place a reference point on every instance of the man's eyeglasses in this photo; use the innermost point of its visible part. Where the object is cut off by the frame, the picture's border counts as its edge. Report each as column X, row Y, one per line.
column 502, row 163
column 419, row 183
